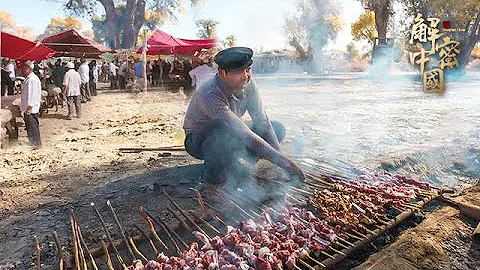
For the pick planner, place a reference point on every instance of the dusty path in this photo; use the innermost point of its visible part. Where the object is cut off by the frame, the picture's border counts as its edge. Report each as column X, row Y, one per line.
column 79, row 163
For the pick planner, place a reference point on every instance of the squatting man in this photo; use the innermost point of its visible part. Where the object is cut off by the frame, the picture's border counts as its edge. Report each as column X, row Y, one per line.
column 214, row 130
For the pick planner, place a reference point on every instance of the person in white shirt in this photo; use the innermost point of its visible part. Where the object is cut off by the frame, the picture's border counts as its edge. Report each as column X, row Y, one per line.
column 11, row 68
column 83, row 70
column 72, row 86
column 30, row 103
column 201, row 74
column 113, row 75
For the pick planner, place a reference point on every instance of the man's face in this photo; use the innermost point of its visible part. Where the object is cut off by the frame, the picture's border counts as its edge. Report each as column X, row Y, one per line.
column 236, row 80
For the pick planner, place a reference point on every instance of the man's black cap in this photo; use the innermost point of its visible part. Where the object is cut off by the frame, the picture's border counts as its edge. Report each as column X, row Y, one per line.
column 234, row 58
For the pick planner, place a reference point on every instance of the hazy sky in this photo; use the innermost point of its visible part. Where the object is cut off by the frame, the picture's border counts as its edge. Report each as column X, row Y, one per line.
column 255, row 23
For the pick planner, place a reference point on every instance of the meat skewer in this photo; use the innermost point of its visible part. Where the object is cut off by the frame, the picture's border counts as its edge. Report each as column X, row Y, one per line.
column 147, row 237
column 75, row 244
column 184, row 225
column 136, row 250
column 59, row 249
column 204, row 206
column 109, row 237
column 184, row 214
column 107, row 254
column 192, row 212
column 82, row 241
column 149, row 221
column 127, row 245
column 164, row 227
column 37, row 252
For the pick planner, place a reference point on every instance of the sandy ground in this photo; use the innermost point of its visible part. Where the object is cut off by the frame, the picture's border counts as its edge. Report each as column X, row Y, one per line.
column 80, row 163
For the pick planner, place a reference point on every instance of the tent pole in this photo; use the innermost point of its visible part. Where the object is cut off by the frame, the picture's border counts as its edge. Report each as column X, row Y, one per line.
column 144, row 61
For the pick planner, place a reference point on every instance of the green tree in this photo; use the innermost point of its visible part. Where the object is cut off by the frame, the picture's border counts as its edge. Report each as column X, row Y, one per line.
column 123, row 19
column 464, row 14
column 312, row 26
column 207, row 28
column 230, row 41
column 364, row 28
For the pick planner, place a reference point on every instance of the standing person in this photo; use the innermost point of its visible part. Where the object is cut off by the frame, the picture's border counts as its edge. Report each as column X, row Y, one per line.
column 113, row 75
column 105, row 72
column 93, row 76
column 155, row 72
column 122, row 70
column 214, row 130
column 11, row 69
column 71, row 86
column 201, row 74
column 83, row 70
column 58, row 73
column 30, row 103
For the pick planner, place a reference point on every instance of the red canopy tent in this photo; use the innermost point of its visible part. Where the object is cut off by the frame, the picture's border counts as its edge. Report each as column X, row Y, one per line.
column 71, row 43
column 21, row 49
column 161, row 43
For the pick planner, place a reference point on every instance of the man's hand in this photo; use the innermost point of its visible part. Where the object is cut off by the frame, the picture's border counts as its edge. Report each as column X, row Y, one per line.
column 295, row 172
column 29, row 110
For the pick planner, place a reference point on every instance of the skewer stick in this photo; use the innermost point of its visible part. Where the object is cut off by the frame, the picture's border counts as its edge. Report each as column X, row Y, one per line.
column 326, row 254
column 149, row 221
column 83, row 260
column 185, row 215
column 306, row 264
column 192, row 212
column 359, row 233
column 342, row 245
column 109, row 237
column 37, row 252
column 347, row 242
column 59, row 249
column 134, row 247
column 315, row 260
column 107, row 254
column 122, row 232
column 369, row 231
column 80, row 236
column 296, row 267
column 337, row 251
column 75, row 243
column 164, row 227
column 205, row 208
column 173, row 232
column 152, row 245
column 247, row 215
column 184, row 225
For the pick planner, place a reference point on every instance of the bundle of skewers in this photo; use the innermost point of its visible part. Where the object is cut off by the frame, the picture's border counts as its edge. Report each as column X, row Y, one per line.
column 318, row 223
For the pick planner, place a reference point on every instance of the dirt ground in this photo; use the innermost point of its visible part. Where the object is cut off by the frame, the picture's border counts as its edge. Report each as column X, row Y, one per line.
column 80, row 163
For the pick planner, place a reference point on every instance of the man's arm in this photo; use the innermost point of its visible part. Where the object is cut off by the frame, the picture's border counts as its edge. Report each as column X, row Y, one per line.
column 216, row 108
column 261, row 123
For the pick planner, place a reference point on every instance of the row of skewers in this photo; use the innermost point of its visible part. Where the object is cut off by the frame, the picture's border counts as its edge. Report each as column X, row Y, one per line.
column 290, row 237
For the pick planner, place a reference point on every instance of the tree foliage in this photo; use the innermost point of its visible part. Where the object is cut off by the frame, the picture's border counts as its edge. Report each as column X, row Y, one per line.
column 312, row 26
column 123, row 19
column 8, row 24
column 364, row 27
column 207, row 28
column 382, row 10
column 58, row 25
column 229, row 41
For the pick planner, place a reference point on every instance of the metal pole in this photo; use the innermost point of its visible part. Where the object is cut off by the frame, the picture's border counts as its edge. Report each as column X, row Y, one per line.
column 144, row 61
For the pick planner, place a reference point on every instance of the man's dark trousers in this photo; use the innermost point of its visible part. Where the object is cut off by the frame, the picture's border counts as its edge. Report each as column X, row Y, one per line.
column 221, row 147
column 33, row 131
